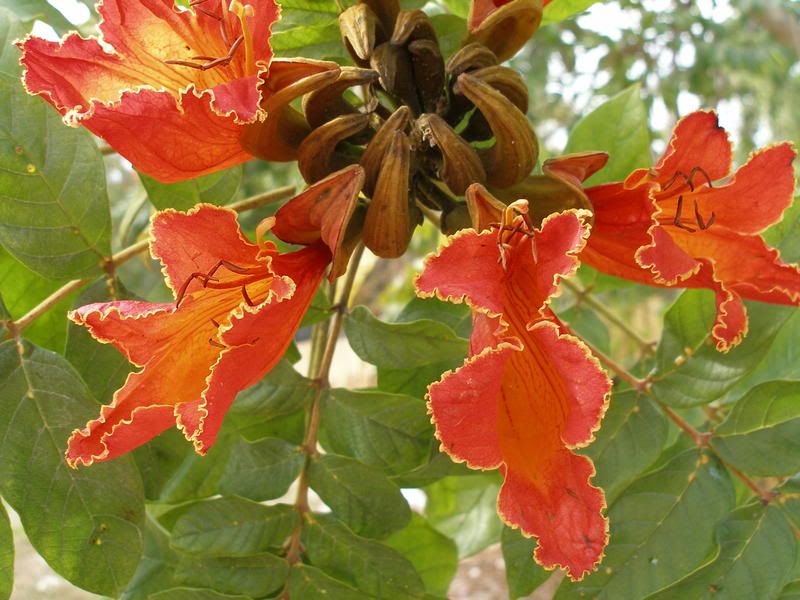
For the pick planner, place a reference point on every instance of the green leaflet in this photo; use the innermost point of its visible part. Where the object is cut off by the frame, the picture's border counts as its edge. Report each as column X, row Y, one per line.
column 6, row 555
column 619, row 127
column 87, row 523
column 218, row 188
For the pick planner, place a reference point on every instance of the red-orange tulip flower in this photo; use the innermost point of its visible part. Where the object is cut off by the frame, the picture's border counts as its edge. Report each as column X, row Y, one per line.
column 169, row 89
column 529, row 393
column 238, row 306
column 692, row 222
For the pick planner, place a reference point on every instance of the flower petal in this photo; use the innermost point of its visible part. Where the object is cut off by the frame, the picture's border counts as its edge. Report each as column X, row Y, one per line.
column 195, row 241
column 575, row 168
column 666, row 259
column 258, row 339
column 322, row 212
column 484, row 209
column 698, row 140
column 758, row 194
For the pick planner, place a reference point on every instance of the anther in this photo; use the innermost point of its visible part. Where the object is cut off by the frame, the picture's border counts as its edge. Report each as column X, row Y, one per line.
column 211, row 62
column 215, row 343
column 242, row 11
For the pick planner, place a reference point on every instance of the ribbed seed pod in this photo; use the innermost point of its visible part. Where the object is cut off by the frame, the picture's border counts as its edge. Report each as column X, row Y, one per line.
column 376, row 149
column 320, row 106
column 514, row 153
column 318, row 156
column 461, row 165
column 388, row 226
column 361, row 32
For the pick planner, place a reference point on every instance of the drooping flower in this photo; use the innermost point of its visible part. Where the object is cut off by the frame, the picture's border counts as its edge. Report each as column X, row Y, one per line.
column 529, row 393
column 237, row 307
column 692, row 222
column 171, row 90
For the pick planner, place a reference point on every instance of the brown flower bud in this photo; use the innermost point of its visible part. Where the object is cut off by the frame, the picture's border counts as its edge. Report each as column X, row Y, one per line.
column 412, row 25
column 546, row 195
column 376, row 149
column 393, row 64
column 322, row 105
column 388, row 226
column 470, row 57
column 460, row 165
column 352, row 237
column 318, row 156
column 360, row 29
column 431, row 195
column 428, row 66
column 515, row 150
column 386, row 11
column 279, row 136
column 484, row 209
column 506, row 81
column 507, row 28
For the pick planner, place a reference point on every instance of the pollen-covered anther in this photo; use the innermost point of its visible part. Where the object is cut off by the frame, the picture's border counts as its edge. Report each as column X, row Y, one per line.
column 242, row 12
column 515, row 221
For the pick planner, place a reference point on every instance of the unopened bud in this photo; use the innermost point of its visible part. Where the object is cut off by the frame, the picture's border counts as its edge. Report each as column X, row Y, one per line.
column 393, row 64
column 412, row 25
column 470, row 57
column 318, row 156
column 461, row 165
column 322, row 105
column 506, row 81
column 507, row 28
column 360, row 30
column 376, row 149
column 428, row 66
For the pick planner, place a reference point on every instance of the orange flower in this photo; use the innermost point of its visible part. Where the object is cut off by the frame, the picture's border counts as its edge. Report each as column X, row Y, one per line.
column 169, row 89
column 530, row 392
column 238, row 306
column 691, row 222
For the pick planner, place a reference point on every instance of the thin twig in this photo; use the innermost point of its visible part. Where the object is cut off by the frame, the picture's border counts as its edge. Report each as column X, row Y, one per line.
column 125, row 255
column 319, row 368
column 586, row 298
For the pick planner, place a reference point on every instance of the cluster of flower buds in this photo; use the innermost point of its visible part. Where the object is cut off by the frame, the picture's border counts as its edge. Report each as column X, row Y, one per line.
column 424, row 126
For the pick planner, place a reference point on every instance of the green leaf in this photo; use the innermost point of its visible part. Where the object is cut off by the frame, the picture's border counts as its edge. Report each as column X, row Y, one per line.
column 22, row 289
column 661, row 528
column 791, row 591
column 256, row 576
column 457, row 317
column 309, row 28
column 6, row 555
column 308, row 582
column 414, row 382
column 689, row 369
column 559, row 10
column 361, row 496
column 282, row 392
column 369, row 566
column 522, row 573
column 587, row 325
column 401, row 345
column 619, row 127
column 757, row 553
column 233, row 527
column 631, row 438
column 390, row 431
column 187, row 593
column 218, row 188
column 465, row 510
column 54, row 215
column 761, row 435
column 156, row 570
column 451, row 31
column 433, row 555
column 102, row 366
column 86, row 523
column 261, row 470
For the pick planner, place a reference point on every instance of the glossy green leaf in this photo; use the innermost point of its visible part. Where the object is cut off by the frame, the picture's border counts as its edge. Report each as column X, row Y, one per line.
column 233, row 527
column 308, row 582
column 261, row 470
column 22, row 290
column 156, row 570
column 54, row 215
column 631, row 438
column 791, row 591
column 6, row 555
column 308, row 28
column 401, row 345
column 187, row 593
column 256, row 576
column 689, row 369
column 465, row 510
column 757, row 553
column 559, row 10
column 662, row 529
column 523, row 575
column 761, row 435
column 369, row 566
column 282, row 392
column 390, row 431
column 361, row 496
column 86, row 523
column 414, row 382
column 619, row 127
column 102, row 366
column 433, row 554
column 218, row 188
column 457, row 317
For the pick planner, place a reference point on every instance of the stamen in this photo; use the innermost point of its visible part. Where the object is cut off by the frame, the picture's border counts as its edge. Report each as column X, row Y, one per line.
column 242, row 11
column 677, row 220
column 246, row 297
column 209, row 281
column 699, row 218
column 215, row 323
column 214, row 342
column 688, row 179
column 514, row 220
column 212, row 62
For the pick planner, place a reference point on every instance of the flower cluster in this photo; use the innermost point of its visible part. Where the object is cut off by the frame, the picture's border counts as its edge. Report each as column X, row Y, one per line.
column 182, row 93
